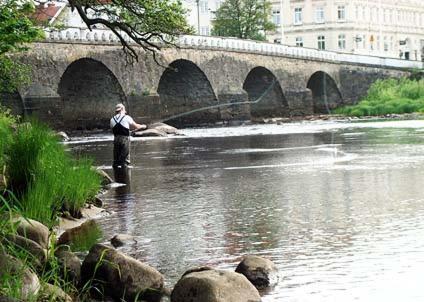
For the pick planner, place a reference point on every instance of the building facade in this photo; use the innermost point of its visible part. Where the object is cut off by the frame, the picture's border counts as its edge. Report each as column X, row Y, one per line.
column 387, row 28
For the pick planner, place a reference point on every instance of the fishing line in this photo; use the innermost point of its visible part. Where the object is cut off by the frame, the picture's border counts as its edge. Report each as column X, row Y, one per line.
column 223, row 105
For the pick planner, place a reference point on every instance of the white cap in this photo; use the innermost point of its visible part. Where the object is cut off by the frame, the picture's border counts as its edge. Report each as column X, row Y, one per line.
column 119, row 107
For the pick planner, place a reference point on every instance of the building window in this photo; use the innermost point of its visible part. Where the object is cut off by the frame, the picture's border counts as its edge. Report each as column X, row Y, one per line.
column 299, row 41
column 203, row 7
column 341, row 13
column 321, row 42
column 386, row 44
column 319, row 15
column 204, row 31
column 342, row 41
column 298, row 15
column 276, row 17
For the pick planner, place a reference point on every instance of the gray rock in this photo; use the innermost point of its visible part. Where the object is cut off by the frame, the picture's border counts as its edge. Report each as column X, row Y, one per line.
column 261, row 272
column 63, row 136
column 35, row 253
column 8, row 299
column 122, row 239
column 70, row 264
column 106, row 179
column 33, row 230
column 53, row 293
column 212, row 285
column 150, row 132
column 121, row 276
column 28, row 281
column 164, row 128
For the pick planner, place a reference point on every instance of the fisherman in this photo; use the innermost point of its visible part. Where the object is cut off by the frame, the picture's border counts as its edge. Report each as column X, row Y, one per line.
column 121, row 125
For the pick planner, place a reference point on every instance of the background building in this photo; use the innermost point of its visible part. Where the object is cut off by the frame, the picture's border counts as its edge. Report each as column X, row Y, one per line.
column 388, row 28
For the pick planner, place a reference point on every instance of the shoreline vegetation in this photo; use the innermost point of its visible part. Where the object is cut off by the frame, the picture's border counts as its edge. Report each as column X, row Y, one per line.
column 39, row 182
column 389, row 96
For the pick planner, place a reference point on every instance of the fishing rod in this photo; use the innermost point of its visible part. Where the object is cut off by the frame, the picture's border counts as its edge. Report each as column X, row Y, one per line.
column 222, row 105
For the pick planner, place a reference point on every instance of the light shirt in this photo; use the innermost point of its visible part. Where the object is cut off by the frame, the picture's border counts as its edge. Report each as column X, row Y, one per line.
column 126, row 121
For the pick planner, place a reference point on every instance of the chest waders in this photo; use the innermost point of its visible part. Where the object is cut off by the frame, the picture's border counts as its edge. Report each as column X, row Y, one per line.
column 121, row 144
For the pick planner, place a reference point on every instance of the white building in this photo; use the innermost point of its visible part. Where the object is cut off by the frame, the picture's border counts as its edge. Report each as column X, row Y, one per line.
column 387, row 28
column 200, row 14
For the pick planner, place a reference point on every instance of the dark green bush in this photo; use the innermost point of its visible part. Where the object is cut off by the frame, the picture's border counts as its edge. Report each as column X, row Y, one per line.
column 389, row 96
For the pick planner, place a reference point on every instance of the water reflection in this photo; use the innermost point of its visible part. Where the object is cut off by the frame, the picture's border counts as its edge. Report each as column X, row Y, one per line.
column 339, row 211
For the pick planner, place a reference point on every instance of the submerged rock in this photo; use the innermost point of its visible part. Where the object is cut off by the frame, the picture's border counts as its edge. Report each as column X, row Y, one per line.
column 26, row 279
column 33, row 230
column 261, row 272
column 122, row 239
column 121, row 276
column 212, row 285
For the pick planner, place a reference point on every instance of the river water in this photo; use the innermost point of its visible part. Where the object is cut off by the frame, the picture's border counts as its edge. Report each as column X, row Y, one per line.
column 338, row 206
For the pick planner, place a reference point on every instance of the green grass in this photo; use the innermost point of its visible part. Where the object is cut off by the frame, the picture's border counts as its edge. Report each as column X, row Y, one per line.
column 44, row 176
column 390, row 96
column 6, row 133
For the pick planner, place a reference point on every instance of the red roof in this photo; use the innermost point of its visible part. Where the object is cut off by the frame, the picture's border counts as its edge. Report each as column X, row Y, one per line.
column 44, row 14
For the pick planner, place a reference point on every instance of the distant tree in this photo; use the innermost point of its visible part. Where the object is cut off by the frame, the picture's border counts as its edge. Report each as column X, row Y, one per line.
column 148, row 23
column 16, row 30
column 245, row 19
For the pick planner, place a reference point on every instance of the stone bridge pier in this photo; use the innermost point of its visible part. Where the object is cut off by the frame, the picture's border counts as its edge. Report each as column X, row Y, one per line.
column 76, row 85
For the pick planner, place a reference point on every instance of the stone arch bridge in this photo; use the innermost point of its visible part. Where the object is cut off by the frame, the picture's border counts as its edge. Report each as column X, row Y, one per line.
column 75, row 84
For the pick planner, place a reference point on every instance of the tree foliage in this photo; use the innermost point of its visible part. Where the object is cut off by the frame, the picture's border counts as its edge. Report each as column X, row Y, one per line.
column 16, row 29
column 148, row 23
column 245, row 19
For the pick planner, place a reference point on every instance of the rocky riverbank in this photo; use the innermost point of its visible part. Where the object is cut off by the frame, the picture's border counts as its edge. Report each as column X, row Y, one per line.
column 107, row 273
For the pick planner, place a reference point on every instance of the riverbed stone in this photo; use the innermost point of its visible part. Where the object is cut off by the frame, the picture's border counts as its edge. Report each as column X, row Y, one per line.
column 33, row 230
column 53, row 293
column 261, row 272
column 63, row 136
column 149, row 133
column 70, row 264
column 35, row 253
column 120, row 276
column 122, row 239
column 168, row 129
column 29, row 283
column 212, row 285
column 106, row 179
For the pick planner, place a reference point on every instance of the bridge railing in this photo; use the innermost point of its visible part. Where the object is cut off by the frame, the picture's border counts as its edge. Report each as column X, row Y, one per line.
column 98, row 35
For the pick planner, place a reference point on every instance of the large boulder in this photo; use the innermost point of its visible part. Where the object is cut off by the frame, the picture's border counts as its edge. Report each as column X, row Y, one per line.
column 70, row 264
column 261, row 272
column 121, row 276
column 19, row 275
column 150, row 133
column 33, row 251
column 164, row 128
column 211, row 285
column 33, row 230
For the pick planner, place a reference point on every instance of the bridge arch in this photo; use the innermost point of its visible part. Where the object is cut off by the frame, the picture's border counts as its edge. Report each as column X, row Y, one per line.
column 261, row 83
column 326, row 95
column 184, row 87
column 89, row 91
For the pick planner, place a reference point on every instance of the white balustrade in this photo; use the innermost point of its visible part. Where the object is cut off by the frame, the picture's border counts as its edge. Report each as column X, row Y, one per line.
column 232, row 44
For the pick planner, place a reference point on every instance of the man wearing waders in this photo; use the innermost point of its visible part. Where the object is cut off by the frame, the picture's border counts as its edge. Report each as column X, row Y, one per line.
column 121, row 125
